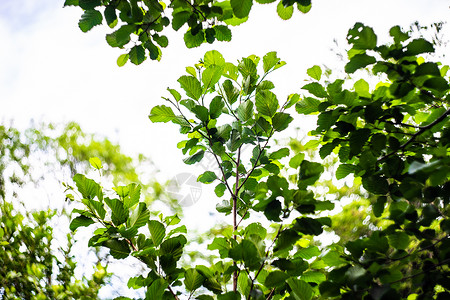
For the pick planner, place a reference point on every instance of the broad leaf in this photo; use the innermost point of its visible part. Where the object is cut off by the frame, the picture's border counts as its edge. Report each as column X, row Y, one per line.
column 89, row 19
column 191, row 86
column 157, row 231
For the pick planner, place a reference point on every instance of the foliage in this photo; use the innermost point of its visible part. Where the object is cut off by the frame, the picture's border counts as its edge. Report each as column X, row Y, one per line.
column 392, row 138
column 140, row 23
column 36, row 256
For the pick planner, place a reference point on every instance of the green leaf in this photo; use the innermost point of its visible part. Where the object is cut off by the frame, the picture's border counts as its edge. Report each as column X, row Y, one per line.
column 284, row 12
column 89, row 4
column 220, row 189
column 308, row 253
column 119, row 249
column 427, row 68
column 110, row 15
column 362, row 88
column 308, row 226
column 283, row 152
column 246, row 251
column 88, row 188
column 201, row 113
column 139, row 216
column 266, row 103
column 295, row 161
column 80, row 221
column 313, row 276
column 156, row 289
column 229, row 296
column 223, row 33
column 376, row 185
column 398, row 35
column 179, row 19
column 192, row 41
column 215, row 107
column 194, row 158
column 245, row 111
column 193, row 279
column 241, row 8
column 359, row 61
column 275, row 278
column 191, row 86
column 300, row 289
column 211, row 75
column 122, row 59
column 157, row 231
column 309, row 173
column 316, row 89
column 419, row 46
column 270, row 60
column 162, row 113
column 207, row 177
column 315, row 72
column 378, row 207
column 307, row 106
column 96, row 163
column 362, row 37
column 119, row 213
column 89, row 19
column 71, row 3
column 137, row 54
column 304, row 8
column 399, row 240
column 344, row 170
column 438, row 83
column 281, row 121
column 357, row 140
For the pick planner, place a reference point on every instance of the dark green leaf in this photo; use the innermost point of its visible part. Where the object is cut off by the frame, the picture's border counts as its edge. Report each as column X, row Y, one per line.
column 207, row 177
column 194, row 158
column 343, row 170
column 300, row 289
column 419, row 46
column 80, row 221
column 281, row 121
column 89, row 19
column 137, row 54
column 241, row 8
column 309, row 173
column 359, row 61
column 157, row 231
column 223, row 33
column 193, row 41
column 275, row 278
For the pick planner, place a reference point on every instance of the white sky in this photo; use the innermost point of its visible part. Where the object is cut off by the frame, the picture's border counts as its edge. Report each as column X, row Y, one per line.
column 51, row 71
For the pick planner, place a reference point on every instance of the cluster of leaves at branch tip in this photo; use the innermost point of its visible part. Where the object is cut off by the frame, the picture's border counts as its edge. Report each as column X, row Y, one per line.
column 393, row 139
column 140, row 23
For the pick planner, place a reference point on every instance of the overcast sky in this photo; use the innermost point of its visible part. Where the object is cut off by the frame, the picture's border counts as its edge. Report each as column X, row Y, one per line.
column 53, row 72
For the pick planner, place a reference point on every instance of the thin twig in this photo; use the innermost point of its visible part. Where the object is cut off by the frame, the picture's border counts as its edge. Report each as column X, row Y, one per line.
column 422, row 130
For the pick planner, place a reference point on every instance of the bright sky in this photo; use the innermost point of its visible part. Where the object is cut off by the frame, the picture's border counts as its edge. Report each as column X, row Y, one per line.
column 51, row 71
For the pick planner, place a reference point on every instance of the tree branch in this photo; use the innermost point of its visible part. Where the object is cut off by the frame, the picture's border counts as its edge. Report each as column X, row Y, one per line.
column 421, row 130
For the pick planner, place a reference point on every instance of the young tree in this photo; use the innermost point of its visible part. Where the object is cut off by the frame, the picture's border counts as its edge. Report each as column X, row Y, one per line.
column 392, row 137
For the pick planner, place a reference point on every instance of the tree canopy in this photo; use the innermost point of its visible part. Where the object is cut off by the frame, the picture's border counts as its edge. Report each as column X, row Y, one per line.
column 380, row 144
